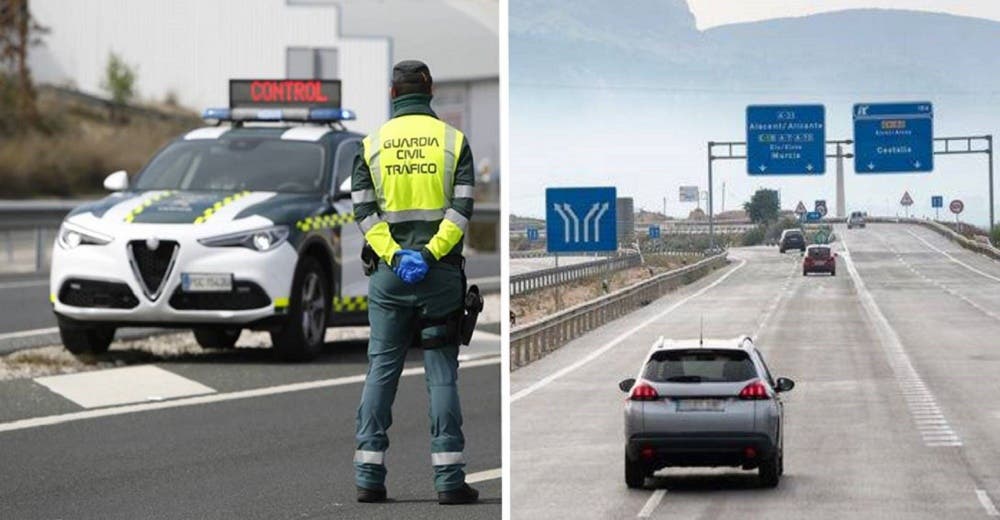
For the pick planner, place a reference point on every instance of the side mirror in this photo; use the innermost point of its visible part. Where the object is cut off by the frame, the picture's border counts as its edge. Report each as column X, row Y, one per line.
column 784, row 384
column 626, row 384
column 116, row 181
column 343, row 191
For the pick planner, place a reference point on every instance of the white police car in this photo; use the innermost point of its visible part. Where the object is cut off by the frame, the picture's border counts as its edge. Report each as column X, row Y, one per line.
column 244, row 225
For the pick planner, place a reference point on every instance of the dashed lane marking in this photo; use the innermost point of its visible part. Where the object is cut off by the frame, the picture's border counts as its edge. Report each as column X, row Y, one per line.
column 919, row 399
column 483, row 476
column 987, row 502
column 652, row 503
column 36, row 422
column 126, row 385
column 621, row 337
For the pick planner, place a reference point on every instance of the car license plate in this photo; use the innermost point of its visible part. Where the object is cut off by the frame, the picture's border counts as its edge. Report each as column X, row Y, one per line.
column 207, row 282
column 701, row 405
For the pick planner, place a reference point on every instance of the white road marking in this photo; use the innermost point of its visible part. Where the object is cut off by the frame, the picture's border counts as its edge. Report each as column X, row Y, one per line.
column 482, row 476
column 621, row 337
column 987, row 502
column 36, row 422
column 952, row 258
column 906, row 375
column 28, row 333
column 126, row 385
column 654, row 500
column 24, row 283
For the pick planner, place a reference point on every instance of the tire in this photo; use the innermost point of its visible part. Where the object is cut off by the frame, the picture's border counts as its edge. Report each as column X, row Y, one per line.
column 635, row 474
column 802, row 249
column 805, row 273
column 216, row 337
column 781, row 250
column 770, row 471
column 833, row 273
column 301, row 337
column 85, row 339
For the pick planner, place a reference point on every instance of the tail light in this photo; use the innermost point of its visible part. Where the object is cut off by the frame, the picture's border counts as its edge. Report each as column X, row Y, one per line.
column 644, row 392
column 754, row 391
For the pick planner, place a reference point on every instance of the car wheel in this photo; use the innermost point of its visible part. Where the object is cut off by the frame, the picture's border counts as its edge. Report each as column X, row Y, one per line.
column 805, row 273
column 833, row 273
column 770, row 471
column 216, row 337
column 85, row 339
column 802, row 249
column 781, row 250
column 635, row 473
column 301, row 337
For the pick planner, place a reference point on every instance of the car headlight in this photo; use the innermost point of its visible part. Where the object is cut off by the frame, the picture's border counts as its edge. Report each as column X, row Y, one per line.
column 71, row 235
column 258, row 239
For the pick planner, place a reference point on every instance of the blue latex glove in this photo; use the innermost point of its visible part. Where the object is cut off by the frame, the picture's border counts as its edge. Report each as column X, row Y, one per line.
column 410, row 267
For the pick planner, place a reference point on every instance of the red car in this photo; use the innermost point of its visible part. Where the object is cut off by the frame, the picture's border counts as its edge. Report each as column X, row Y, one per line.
column 819, row 259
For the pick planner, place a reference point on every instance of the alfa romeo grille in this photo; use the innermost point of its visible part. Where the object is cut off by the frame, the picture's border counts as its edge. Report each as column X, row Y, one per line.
column 152, row 266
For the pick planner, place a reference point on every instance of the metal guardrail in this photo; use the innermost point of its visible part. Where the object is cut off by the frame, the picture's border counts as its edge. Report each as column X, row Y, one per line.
column 527, row 282
column 533, row 341
column 28, row 229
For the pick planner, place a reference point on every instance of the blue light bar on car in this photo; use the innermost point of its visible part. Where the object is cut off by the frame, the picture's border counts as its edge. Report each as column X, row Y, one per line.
column 317, row 115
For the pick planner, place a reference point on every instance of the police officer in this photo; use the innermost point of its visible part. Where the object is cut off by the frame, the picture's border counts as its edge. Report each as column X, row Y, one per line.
column 412, row 190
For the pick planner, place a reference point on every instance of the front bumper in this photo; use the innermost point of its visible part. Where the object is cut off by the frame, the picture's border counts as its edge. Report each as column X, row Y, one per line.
column 262, row 281
column 700, row 449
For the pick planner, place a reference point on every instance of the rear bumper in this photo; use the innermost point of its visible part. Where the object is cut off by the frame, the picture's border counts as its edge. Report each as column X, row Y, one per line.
column 700, row 449
column 829, row 268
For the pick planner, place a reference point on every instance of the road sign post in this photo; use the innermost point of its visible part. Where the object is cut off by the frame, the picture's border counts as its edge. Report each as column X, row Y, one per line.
column 937, row 202
column 786, row 139
column 581, row 220
column 906, row 201
column 957, row 206
column 893, row 137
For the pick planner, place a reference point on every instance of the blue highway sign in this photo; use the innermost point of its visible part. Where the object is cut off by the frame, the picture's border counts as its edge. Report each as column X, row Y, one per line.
column 893, row 137
column 580, row 219
column 786, row 139
column 813, row 216
column 937, row 201
column 654, row 231
column 532, row 234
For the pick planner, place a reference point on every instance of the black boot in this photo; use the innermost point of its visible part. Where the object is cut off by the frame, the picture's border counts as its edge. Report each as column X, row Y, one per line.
column 371, row 495
column 463, row 495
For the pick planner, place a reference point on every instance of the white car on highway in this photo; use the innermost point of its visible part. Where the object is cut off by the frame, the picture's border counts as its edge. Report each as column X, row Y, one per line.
column 240, row 225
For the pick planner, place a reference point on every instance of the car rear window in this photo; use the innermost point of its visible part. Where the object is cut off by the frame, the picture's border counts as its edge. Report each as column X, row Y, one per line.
column 699, row 366
column 793, row 234
column 819, row 252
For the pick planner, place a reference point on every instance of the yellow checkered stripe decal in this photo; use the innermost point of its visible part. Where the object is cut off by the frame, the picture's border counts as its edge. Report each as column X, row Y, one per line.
column 147, row 203
column 324, row 221
column 350, row 303
column 211, row 210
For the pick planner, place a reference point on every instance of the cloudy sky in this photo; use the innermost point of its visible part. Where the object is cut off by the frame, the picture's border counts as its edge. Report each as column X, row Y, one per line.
column 710, row 13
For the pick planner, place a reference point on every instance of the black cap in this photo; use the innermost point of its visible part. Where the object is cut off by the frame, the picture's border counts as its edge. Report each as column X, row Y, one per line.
column 411, row 72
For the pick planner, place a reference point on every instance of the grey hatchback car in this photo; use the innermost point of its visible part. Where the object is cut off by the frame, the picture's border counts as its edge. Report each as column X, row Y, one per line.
column 704, row 403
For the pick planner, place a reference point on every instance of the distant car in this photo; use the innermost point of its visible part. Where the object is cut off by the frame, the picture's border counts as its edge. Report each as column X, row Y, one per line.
column 857, row 219
column 819, row 259
column 792, row 239
column 705, row 403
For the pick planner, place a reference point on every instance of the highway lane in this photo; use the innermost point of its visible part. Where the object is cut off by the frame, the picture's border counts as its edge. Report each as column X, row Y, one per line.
column 880, row 424
column 254, row 447
column 527, row 265
column 27, row 319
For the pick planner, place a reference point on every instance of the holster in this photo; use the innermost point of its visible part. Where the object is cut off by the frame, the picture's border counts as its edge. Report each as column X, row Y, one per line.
column 461, row 323
column 369, row 259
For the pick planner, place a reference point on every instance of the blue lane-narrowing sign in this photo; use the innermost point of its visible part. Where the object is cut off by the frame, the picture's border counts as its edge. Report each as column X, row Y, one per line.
column 654, row 231
column 580, row 219
column 813, row 216
column 786, row 139
column 937, row 201
column 893, row 137
column 532, row 234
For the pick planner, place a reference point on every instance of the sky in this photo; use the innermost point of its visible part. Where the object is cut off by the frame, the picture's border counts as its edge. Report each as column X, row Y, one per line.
column 711, row 13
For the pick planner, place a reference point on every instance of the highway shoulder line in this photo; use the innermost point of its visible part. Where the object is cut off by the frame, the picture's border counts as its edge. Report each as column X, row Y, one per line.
column 36, row 422
column 952, row 258
column 621, row 337
column 483, row 476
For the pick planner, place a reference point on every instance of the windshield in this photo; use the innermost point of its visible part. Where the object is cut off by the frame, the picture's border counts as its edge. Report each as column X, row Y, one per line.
column 255, row 164
column 699, row 366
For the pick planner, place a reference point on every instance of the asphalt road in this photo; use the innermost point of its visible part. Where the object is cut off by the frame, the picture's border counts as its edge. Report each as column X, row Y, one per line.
column 527, row 265
column 894, row 414
column 242, row 437
column 27, row 319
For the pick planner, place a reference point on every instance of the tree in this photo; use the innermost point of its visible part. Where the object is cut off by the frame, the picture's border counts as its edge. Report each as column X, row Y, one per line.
column 119, row 79
column 18, row 32
column 763, row 207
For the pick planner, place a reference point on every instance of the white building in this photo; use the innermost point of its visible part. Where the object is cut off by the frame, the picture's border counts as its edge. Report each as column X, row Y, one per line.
column 189, row 49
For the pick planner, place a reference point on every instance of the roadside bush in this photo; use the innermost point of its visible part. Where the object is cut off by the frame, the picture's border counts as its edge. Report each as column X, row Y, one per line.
column 995, row 236
column 753, row 237
column 774, row 230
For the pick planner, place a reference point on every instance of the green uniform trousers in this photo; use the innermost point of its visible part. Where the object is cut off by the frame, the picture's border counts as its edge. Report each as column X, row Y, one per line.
column 395, row 310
